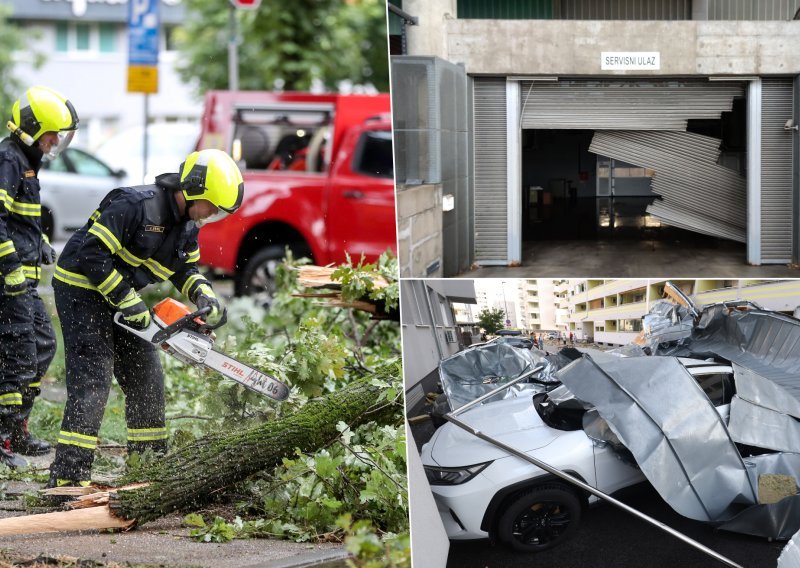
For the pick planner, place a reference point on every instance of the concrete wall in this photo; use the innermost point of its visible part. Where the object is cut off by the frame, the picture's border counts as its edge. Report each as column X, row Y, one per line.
column 419, row 230
column 560, row 47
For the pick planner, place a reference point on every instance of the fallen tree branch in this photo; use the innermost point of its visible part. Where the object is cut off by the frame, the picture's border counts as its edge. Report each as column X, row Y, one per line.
column 187, row 478
column 79, row 519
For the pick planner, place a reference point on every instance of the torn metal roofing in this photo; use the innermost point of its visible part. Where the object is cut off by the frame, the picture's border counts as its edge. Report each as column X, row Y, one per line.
column 697, row 193
column 658, row 411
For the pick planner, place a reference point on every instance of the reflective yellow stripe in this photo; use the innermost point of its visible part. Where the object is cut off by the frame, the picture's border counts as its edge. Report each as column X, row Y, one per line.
column 112, row 281
column 95, row 216
column 189, row 283
column 147, row 434
column 130, row 299
column 72, row 278
column 129, row 257
column 6, row 248
column 20, row 207
column 104, row 234
column 194, row 256
column 72, row 483
column 35, row 385
column 76, row 439
column 32, row 272
column 159, row 270
column 10, row 399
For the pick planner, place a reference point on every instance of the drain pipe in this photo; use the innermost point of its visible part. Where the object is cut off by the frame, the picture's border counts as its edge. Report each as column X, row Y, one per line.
column 451, row 417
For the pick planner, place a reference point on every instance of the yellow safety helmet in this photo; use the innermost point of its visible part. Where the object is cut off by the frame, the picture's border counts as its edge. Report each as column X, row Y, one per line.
column 40, row 110
column 212, row 175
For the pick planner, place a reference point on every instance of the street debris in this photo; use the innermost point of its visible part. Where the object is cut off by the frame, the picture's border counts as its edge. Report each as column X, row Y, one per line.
column 705, row 403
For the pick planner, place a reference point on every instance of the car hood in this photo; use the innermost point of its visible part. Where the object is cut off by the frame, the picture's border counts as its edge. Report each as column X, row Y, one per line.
column 512, row 421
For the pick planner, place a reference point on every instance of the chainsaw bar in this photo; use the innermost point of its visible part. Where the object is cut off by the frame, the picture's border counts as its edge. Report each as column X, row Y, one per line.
column 196, row 349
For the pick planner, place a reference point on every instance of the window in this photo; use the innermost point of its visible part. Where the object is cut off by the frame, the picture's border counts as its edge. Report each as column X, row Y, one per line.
column 62, row 37
column 373, row 155
column 283, row 137
column 108, row 38
column 82, row 37
column 630, row 325
column 718, row 387
column 87, row 165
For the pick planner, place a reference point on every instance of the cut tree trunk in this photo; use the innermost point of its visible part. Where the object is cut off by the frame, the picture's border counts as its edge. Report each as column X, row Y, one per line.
column 189, row 477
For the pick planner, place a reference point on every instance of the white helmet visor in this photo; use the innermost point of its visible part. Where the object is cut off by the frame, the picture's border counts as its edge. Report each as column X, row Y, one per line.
column 64, row 139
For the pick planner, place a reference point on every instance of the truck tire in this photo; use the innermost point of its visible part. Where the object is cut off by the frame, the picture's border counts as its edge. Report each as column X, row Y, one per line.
column 540, row 518
column 257, row 279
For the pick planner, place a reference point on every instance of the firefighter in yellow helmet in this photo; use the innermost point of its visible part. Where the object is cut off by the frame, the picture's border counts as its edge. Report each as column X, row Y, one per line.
column 42, row 124
column 137, row 236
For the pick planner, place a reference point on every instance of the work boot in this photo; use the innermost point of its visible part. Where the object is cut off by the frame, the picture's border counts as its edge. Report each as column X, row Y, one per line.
column 9, row 458
column 24, row 443
column 58, row 500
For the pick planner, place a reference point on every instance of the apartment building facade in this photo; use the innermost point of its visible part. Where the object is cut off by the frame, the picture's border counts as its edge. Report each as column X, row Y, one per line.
column 609, row 312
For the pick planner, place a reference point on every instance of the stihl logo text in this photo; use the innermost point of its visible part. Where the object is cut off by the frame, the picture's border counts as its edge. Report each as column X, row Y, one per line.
column 233, row 368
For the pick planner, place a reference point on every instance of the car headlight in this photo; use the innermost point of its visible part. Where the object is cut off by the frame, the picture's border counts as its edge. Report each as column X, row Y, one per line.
column 453, row 475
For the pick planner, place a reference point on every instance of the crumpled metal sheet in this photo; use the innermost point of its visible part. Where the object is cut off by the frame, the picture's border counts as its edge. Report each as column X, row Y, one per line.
column 790, row 555
column 767, row 393
column 667, row 322
column 775, row 520
column 658, row 411
column 767, row 343
column 762, row 427
column 471, row 373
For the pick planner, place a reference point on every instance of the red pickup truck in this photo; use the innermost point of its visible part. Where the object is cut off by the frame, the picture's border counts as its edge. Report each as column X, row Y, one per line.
column 318, row 177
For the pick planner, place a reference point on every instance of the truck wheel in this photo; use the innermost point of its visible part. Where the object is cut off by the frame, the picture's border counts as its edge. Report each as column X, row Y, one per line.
column 540, row 518
column 258, row 277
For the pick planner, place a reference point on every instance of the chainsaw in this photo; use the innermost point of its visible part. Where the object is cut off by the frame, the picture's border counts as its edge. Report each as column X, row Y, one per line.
column 184, row 335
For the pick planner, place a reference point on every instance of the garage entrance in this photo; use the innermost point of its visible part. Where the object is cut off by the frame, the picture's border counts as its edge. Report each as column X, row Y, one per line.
column 632, row 161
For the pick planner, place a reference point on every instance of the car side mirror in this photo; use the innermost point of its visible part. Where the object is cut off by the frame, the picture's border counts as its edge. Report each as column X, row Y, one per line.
column 119, row 173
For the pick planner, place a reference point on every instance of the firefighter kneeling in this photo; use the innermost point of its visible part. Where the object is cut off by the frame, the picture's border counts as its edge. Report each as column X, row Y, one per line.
column 137, row 236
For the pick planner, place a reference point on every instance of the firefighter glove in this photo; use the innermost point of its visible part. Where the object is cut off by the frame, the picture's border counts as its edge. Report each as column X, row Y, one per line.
column 134, row 311
column 48, row 252
column 205, row 297
column 15, row 282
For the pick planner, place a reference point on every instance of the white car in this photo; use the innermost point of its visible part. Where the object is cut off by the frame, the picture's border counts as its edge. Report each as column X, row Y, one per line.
column 72, row 187
column 481, row 491
column 168, row 144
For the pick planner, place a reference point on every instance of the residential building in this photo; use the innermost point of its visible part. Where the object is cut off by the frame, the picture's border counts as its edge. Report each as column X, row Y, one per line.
column 609, row 312
column 86, row 48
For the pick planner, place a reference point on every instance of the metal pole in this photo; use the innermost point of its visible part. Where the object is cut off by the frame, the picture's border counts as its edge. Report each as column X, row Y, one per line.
column 451, row 417
column 144, row 142
column 233, row 55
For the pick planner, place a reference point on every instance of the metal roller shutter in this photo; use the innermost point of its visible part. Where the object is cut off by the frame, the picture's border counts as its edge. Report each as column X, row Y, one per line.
column 776, row 172
column 698, row 194
column 490, row 175
column 616, row 105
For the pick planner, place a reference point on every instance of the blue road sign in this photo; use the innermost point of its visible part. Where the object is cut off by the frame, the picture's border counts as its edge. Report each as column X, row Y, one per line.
column 143, row 32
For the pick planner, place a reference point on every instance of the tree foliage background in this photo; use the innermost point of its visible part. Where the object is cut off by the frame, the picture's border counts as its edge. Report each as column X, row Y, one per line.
column 11, row 38
column 287, row 45
column 491, row 319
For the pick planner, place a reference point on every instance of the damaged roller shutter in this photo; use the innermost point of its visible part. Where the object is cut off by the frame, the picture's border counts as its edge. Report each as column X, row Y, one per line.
column 617, row 105
column 491, row 171
column 697, row 193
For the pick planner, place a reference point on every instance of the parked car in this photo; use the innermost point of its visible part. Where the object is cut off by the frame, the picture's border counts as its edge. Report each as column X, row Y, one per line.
column 509, row 332
column 168, row 144
column 481, row 491
column 318, row 178
column 519, row 342
column 72, row 187
column 552, row 335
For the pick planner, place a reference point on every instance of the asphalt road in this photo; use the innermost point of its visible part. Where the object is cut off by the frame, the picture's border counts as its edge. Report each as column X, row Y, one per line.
column 609, row 537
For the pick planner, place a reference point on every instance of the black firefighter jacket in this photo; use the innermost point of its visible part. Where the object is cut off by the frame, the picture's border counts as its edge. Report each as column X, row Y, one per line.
column 136, row 237
column 20, row 210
